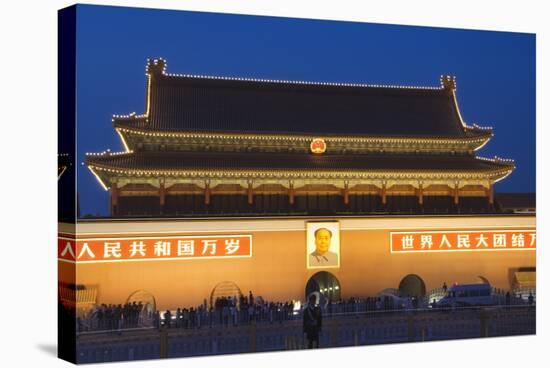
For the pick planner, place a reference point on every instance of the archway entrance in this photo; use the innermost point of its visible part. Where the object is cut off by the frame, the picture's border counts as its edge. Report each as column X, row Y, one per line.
column 484, row 280
column 325, row 284
column 225, row 289
column 412, row 285
column 147, row 300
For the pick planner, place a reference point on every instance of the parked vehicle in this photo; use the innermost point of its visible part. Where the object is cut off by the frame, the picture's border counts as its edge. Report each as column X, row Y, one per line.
column 466, row 295
column 397, row 301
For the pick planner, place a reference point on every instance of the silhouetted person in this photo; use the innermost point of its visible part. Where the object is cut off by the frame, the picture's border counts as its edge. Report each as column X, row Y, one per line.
column 156, row 319
column 312, row 322
column 134, row 314
column 530, row 298
column 211, row 317
column 167, row 319
column 192, row 317
column 138, row 314
column 117, row 315
column 444, row 287
column 179, row 318
column 100, row 314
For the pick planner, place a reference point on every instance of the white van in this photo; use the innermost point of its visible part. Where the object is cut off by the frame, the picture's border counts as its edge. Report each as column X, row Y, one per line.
column 466, row 295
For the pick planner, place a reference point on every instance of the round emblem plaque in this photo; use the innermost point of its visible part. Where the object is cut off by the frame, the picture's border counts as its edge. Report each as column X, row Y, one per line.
column 318, row 145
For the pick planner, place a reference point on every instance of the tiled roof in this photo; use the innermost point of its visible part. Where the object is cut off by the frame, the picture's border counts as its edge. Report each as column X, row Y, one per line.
column 197, row 103
column 287, row 161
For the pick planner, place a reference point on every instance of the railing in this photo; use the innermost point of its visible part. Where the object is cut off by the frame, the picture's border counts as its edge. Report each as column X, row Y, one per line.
column 340, row 329
column 231, row 317
column 436, row 294
column 525, row 293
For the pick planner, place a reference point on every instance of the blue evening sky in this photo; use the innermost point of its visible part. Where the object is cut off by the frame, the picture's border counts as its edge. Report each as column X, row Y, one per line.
column 495, row 70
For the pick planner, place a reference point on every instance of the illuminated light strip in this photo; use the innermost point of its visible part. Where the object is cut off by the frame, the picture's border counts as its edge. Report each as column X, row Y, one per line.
column 123, row 141
column 62, row 171
column 155, row 61
column 108, row 153
column 132, row 116
column 503, row 177
column 148, row 95
column 497, row 160
column 464, row 125
column 373, row 175
column 483, row 145
column 278, row 81
column 98, row 178
column 482, row 127
column 294, row 173
column 136, row 131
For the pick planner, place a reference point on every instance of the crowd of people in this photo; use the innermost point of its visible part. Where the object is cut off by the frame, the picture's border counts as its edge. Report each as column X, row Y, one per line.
column 113, row 317
column 383, row 303
column 226, row 311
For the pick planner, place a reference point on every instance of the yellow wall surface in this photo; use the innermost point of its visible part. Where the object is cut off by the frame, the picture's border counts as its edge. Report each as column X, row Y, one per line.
column 277, row 269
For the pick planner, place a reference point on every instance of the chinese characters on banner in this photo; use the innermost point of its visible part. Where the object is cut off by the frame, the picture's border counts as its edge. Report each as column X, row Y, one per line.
column 452, row 241
column 135, row 249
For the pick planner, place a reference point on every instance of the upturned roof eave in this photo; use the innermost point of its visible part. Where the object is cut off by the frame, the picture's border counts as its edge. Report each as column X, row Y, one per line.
column 99, row 161
column 126, row 125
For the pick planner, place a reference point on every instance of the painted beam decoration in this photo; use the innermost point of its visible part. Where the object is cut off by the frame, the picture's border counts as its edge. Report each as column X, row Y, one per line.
column 97, row 250
column 462, row 241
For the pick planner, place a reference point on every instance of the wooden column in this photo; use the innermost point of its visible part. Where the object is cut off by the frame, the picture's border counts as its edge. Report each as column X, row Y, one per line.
column 420, row 194
column 162, row 196
column 456, row 193
column 114, row 199
column 346, row 193
column 207, row 193
column 491, row 194
column 384, row 193
column 250, row 193
column 291, row 193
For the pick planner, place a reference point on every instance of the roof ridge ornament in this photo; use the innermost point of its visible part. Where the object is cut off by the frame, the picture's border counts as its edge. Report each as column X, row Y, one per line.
column 156, row 66
column 448, row 82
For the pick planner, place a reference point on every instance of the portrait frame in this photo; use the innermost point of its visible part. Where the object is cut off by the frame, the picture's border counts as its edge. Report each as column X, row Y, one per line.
column 334, row 228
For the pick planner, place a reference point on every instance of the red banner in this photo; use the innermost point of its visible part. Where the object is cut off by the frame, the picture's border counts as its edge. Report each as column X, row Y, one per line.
column 150, row 249
column 453, row 241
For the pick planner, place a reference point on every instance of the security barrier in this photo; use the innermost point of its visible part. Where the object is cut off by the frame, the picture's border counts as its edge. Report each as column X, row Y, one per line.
column 342, row 329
